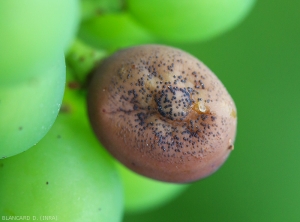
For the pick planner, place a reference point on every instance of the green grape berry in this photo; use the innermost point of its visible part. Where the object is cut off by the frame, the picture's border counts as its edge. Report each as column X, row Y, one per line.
column 33, row 32
column 189, row 20
column 67, row 175
column 28, row 109
column 114, row 31
column 144, row 194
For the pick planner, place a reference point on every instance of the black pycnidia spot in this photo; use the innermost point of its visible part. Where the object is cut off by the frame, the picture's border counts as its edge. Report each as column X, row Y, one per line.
column 173, row 103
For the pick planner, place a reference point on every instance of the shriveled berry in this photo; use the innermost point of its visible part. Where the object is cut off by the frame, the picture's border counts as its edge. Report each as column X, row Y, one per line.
column 162, row 113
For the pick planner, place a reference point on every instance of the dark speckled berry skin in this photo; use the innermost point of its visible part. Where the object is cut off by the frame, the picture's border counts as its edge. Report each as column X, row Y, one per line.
column 162, row 113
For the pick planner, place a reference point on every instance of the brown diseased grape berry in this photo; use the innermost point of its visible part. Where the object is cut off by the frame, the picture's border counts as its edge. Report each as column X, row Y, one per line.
column 162, row 113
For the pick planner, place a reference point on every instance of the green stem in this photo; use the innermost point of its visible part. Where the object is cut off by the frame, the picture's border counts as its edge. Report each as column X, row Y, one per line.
column 81, row 60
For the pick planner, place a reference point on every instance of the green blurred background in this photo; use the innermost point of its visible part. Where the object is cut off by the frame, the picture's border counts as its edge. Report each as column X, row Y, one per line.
column 259, row 64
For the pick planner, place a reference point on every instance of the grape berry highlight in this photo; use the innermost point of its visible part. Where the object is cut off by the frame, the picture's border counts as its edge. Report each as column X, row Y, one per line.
column 162, row 113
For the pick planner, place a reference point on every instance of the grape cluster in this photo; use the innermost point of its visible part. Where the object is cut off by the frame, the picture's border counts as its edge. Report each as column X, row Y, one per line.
column 158, row 110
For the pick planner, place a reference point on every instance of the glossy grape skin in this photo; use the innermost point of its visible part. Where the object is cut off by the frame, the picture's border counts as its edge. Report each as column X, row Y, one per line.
column 143, row 194
column 32, row 33
column 189, row 20
column 162, row 113
column 114, row 31
column 66, row 175
column 29, row 109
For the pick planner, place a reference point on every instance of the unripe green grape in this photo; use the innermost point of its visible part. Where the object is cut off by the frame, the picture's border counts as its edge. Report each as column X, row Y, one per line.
column 144, row 194
column 189, row 20
column 32, row 33
column 28, row 109
column 114, row 31
column 66, row 175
